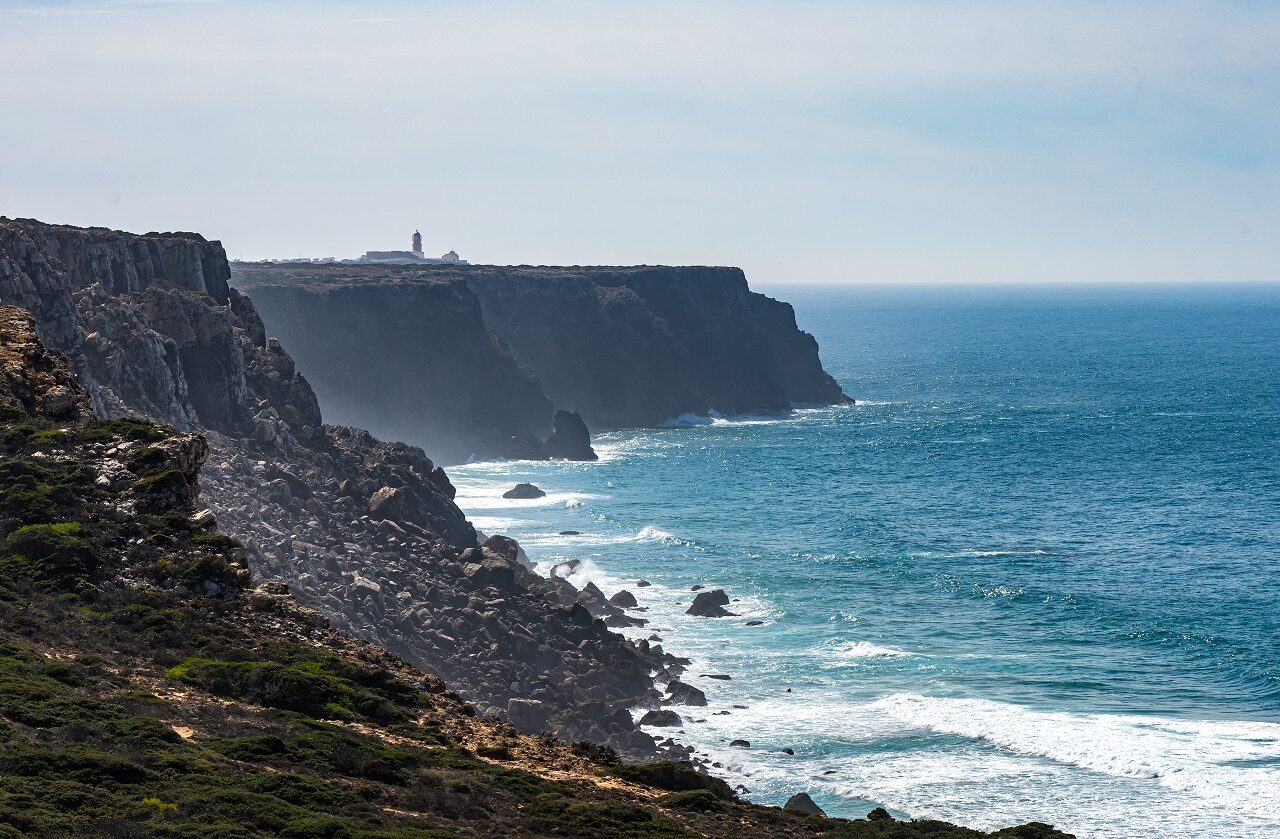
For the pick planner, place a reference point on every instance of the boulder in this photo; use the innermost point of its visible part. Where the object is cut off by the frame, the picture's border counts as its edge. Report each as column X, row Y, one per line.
column 529, row 716
column 802, row 803
column 661, row 719
column 525, row 491
column 710, row 604
column 569, row 438
column 387, row 504
column 679, row 693
column 624, row 599
column 740, row 744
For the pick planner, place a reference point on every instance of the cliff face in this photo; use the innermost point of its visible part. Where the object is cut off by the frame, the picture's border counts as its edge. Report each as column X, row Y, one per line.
column 622, row 346
column 636, row 346
column 363, row 530
column 412, row 361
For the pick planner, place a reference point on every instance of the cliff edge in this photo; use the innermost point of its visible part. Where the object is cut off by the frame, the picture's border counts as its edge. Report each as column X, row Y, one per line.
column 465, row 360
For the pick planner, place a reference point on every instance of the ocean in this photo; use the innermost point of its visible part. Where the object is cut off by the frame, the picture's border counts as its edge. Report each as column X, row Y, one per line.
column 1033, row 574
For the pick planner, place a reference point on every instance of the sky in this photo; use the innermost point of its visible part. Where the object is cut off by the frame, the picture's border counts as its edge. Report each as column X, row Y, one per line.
column 905, row 141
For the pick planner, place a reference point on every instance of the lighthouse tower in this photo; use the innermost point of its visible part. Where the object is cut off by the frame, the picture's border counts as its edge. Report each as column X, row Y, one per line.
column 417, row 244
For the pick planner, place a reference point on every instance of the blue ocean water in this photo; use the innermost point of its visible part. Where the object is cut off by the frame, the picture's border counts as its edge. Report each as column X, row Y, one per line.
column 1033, row 574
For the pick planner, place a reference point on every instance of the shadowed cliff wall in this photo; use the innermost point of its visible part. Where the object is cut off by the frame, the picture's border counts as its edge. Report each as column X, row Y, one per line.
column 622, row 346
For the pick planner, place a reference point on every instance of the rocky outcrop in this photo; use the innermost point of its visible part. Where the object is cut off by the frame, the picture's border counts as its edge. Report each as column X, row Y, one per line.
column 363, row 530
column 490, row 349
column 524, row 492
column 570, row 439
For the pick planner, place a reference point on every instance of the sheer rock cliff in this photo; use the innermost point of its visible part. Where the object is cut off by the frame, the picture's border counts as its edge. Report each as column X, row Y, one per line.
column 491, row 349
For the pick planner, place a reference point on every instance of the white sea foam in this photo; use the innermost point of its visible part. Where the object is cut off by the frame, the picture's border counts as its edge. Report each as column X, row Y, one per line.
column 1034, row 552
column 1234, row 765
column 579, row 573
column 863, row 650
column 649, row 533
column 496, row 524
column 490, row 498
column 688, row 420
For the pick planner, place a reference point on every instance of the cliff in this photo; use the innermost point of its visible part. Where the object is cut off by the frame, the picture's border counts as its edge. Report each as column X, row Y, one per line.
column 417, row 363
column 147, row 690
column 363, row 530
column 620, row 346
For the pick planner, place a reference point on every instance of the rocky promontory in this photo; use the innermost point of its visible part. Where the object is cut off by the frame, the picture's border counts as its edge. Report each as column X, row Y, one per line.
column 363, row 530
column 470, row 359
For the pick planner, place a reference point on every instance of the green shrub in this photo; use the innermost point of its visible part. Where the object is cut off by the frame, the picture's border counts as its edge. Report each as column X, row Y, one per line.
column 33, row 493
column 130, row 429
column 697, row 800
column 56, row 555
column 670, row 775
column 591, row 820
column 307, row 687
column 168, row 481
column 80, row 763
column 147, row 457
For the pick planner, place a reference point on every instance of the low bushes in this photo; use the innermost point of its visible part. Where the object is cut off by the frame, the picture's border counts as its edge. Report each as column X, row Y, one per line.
column 56, row 555
column 670, row 775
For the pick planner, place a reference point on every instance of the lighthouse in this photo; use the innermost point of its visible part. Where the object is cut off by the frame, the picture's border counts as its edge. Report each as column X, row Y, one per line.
column 417, row 244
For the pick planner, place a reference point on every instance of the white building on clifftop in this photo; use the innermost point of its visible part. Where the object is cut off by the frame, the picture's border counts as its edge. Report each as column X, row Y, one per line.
column 410, row 257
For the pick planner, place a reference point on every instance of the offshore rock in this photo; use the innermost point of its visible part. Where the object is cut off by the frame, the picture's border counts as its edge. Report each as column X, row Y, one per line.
column 524, row 492
column 569, row 438
column 710, row 604
column 679, row 693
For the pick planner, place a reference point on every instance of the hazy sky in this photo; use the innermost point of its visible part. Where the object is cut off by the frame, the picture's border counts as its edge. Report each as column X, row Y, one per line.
column 804, row 141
